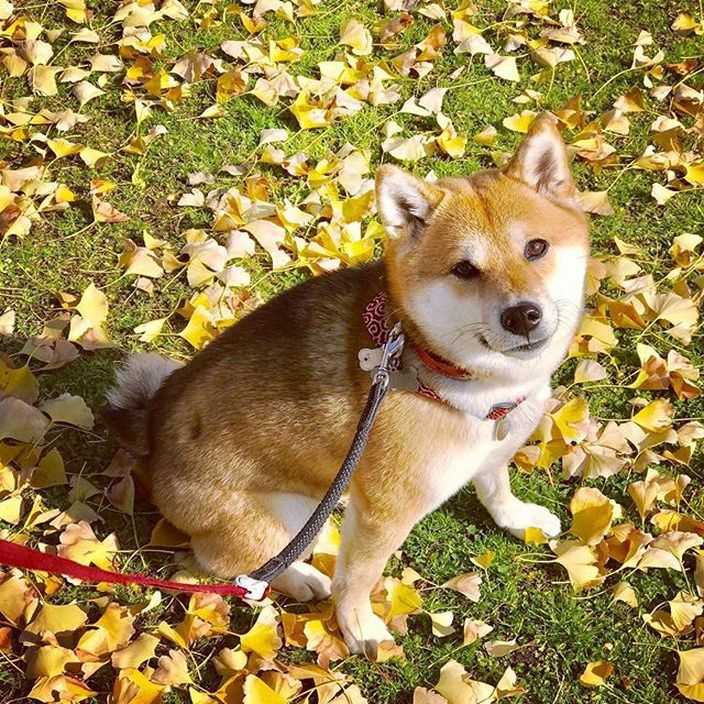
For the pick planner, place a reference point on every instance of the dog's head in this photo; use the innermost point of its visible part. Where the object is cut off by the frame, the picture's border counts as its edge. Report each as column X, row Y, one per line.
column 488, row 270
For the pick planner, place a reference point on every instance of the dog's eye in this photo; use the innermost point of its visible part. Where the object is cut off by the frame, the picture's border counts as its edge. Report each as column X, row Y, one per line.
column 465, row 270
column 536, row 249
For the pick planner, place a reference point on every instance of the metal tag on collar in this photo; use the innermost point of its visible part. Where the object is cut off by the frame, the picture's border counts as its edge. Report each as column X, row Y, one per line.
column 501, row 428
column 499, row 414
column 393, row 347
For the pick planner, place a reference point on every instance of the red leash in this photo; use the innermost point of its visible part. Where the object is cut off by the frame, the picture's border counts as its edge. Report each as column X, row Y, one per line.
column 14, row 555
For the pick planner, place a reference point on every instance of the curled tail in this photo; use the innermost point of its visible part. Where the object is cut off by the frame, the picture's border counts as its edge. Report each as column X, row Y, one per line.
column 137, row 380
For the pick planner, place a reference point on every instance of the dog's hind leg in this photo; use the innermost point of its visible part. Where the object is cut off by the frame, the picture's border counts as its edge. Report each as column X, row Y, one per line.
column 253, row 528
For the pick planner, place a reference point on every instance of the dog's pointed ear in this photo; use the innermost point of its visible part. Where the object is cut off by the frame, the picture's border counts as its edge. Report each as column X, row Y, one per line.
column 542, row 162
column 405, row 202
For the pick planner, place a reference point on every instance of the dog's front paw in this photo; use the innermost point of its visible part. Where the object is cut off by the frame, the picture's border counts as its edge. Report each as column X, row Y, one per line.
column 522, row 516
column 363, row 633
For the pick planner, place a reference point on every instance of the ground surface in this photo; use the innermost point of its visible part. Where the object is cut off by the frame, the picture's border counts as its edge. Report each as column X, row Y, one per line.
column 234, row 98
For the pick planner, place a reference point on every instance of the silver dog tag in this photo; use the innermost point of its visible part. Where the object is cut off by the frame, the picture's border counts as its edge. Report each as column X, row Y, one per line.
column 501, row 428
column 405, row 378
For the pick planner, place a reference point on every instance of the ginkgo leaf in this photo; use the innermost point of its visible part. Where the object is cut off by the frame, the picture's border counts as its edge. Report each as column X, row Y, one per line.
column 571, row 420
column 499, row 648
column 111, row 631
column 36, row 51
column 685, row 23
column 46, row 689
column 503, row 66
column 403, row 598
column 105, row 212
column 93, row 305
column 684, row 608
column 43, row 79
column 667, row 550
column 579, row 561
column 68, row 409
column 263, row 637
column 11, row 509
column 690, row 675
column 457, row 687
column 520, row 122
column 661, row 194
column 134, row 654
column 589, row 370
column 624, row 592
column 79, row 543
column 451, row 143
column 50, row 471
column 258, row 692
column 93, row 157
column 269, row 235
column 403, row 149
column 592, row 514
column 484, row 560
column 62, row 147
column 677, row 542
column 596, row 673
column 441, row 623
column 355, row 35
column 121, row 495
column 421, row 695
column 534, row 536
column 7, row 319
column 324, row 641
column 173, row 669
column 229, row 662
column 508, row 685
column 596, row 202
column 172, row 634
column 467, row 584
column 644, row 495
column 49, row 661
column 308, row 115
column 21, row 421
column 655, row 416
column 132, row 687
column 140, row 261
column 56, row 619
column 473, row 630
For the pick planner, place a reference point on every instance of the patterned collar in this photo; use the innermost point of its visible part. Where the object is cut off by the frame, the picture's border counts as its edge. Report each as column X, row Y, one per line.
column 376, row 320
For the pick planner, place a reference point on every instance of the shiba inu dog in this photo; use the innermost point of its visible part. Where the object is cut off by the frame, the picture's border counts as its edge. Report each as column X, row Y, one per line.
column 485, row 275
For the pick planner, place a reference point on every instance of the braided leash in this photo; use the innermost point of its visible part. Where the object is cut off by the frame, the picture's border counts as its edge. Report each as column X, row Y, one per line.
column 380, row 387
column 255, row 586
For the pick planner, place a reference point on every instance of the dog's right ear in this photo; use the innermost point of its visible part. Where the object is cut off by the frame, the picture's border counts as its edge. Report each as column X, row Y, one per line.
column 405, row 202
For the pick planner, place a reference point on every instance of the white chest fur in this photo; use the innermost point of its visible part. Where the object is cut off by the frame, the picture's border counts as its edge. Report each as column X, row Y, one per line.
column 447, row 466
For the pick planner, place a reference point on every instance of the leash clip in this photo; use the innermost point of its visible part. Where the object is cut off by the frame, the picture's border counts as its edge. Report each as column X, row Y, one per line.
column 256, row 589
column 392, row 349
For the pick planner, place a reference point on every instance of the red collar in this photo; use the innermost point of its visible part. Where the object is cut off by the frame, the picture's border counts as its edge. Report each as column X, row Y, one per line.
column 438, row 364
column 375, row 317
column 376, row 320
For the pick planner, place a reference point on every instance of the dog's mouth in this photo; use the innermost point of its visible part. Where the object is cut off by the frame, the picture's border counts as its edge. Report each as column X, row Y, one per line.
column 530, row 346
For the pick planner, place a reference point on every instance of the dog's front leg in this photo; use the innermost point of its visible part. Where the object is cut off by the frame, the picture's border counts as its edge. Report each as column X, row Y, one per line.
column 509, row 512
column 369, row 538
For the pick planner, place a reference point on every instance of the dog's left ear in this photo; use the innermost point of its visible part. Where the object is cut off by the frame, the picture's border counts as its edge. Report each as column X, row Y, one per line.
column 541, row 161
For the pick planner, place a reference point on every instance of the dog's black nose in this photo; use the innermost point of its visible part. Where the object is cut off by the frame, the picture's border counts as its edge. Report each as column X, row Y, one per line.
column 522, row 318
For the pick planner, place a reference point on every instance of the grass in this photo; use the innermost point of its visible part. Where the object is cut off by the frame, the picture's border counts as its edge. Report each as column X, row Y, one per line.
column 558, row 631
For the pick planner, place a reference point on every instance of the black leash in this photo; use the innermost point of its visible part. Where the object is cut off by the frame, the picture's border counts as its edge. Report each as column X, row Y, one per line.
column 380, row 387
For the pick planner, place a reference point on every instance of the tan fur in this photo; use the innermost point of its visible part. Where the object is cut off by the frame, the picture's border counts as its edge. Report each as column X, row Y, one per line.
column 248, row 436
